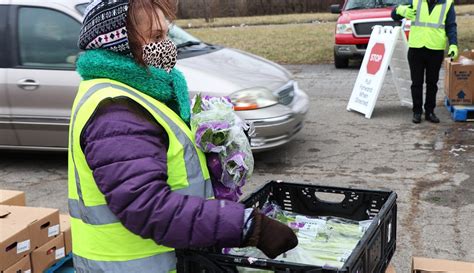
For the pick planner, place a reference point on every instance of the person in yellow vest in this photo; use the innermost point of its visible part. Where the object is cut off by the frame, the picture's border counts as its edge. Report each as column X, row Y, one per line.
column 433, row 25
column 138, row 186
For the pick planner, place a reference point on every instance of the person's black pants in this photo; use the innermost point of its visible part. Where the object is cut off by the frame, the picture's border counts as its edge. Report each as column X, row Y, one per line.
column 421, row 60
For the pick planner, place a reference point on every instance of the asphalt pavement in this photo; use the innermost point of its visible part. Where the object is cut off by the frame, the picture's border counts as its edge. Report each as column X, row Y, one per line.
column 429, row 166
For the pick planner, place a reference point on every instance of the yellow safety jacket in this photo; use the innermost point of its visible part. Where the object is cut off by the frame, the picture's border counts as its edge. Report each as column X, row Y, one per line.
column 100, row 242
column 428, row 29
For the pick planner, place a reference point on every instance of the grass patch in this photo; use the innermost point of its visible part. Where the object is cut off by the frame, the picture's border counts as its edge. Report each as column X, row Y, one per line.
column 465, row 32
column 464, row 9
column 303, row 43
column 302, row 18
column 287, row 44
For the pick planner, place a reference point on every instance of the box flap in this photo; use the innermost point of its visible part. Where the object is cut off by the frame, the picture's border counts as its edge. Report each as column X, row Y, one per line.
column 7, row 194
column 426, row 265
column 28, row 215
column 13, row 198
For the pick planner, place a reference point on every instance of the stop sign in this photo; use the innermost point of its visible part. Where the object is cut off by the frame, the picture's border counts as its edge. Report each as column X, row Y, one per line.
column 375, row 58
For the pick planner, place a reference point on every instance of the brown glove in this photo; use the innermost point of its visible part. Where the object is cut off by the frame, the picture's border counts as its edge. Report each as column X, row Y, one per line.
column 270, row 236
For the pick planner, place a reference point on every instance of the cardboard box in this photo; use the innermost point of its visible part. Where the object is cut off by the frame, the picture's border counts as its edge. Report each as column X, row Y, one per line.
column 426, row 265
column 12, row 198
column 15, row 241
column 66, row 231
column 390, row 269
column 22, row 229
column 23, row 266
column 48, row 254
column 459, row 80
column 42, row 223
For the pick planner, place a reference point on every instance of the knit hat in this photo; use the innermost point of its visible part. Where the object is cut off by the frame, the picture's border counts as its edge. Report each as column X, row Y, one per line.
column 104, row 26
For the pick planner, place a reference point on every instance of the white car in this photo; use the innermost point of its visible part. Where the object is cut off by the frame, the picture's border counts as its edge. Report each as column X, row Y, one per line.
column 38, row 81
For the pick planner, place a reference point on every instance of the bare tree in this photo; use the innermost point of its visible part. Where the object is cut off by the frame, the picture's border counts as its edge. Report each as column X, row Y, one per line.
column 210, row 9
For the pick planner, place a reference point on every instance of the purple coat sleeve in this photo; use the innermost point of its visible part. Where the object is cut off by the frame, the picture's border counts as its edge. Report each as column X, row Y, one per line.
column 126, row 150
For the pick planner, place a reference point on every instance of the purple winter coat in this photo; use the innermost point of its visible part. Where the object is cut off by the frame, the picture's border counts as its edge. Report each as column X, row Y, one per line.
column 126, row 150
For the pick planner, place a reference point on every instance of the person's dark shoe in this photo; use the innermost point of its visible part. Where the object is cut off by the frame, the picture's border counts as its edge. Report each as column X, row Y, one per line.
column 432, row 117
column 416, row 118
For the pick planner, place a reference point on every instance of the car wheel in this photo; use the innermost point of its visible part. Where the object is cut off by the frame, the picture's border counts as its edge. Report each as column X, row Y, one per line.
column 341, row 62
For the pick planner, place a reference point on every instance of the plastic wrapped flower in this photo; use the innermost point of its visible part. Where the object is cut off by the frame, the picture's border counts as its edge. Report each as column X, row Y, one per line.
column 217, row 129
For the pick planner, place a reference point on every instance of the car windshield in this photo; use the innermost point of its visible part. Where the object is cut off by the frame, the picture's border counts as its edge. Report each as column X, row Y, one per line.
column 82, row 8
column 370, row 4
column 181, row 38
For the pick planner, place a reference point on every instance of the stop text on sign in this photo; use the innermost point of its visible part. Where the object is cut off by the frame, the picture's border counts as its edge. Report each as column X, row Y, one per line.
column 376, row 58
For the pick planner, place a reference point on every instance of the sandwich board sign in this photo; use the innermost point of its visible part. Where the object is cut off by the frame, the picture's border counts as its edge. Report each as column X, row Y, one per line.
column 401, row 70
column 378, row 57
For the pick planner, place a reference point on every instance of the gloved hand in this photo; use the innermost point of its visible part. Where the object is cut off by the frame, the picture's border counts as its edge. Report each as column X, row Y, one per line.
column 406, row 11
column 453, row 52
column 270, row 236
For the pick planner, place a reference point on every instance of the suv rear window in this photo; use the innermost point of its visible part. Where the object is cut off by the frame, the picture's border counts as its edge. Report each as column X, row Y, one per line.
column 47, row 38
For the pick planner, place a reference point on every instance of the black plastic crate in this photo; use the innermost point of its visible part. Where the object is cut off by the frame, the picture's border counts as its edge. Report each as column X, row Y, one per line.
column 371, row 255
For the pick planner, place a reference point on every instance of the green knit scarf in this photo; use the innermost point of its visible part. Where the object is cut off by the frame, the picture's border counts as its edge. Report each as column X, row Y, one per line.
column 168, row 88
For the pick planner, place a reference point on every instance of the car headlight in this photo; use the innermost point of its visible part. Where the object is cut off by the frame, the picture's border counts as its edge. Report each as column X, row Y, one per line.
column 253, row 98
column 343, row 29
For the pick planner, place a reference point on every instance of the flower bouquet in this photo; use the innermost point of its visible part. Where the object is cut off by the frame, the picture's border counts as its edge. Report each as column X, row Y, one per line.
column 219, row 132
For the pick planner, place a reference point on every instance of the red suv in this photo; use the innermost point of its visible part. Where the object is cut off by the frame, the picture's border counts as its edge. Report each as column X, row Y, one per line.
column 355, row 23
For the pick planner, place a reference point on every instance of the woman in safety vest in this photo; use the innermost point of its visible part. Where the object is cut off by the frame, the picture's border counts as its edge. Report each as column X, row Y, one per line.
column 138, row 186
column 433, row 24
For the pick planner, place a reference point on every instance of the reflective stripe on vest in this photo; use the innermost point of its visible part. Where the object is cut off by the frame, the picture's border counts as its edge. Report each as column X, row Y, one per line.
column 440, row 24
column 166, row 262
column 101, row 214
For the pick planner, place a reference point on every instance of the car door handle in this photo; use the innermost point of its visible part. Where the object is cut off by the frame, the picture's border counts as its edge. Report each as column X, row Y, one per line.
column 28, row 84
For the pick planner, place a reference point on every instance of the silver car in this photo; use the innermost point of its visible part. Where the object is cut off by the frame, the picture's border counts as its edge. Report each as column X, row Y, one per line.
column 38, row 81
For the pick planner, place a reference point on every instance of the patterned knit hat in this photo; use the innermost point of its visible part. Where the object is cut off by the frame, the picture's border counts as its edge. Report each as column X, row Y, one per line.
column 104, row 26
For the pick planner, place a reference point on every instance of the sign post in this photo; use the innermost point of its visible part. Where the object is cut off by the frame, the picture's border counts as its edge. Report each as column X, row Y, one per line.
column 378, row 57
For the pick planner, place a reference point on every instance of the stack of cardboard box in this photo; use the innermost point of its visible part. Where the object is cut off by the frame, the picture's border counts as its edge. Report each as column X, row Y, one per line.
column 459, row 80
column 31, row 239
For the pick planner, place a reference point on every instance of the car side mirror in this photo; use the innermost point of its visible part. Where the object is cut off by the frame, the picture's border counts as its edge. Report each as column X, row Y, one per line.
column 336, row 9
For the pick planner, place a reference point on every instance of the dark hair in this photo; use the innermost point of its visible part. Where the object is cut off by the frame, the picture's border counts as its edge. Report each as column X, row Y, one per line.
column 136, row 39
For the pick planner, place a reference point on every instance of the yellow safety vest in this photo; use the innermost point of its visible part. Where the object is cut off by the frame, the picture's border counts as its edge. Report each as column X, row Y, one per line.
column 100, row 242
column 428, row 29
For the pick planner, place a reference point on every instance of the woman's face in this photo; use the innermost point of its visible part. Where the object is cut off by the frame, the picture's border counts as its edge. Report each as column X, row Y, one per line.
column 151, row 28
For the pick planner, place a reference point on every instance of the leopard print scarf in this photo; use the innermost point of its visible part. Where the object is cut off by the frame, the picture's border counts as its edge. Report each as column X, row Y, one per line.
column 162, row 54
